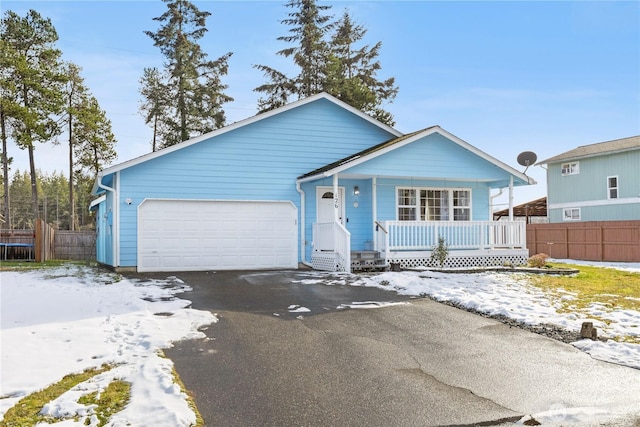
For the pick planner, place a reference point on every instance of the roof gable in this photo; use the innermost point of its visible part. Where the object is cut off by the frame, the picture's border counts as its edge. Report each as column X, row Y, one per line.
column 598, row 149
column 246, row 122
column 352, row 162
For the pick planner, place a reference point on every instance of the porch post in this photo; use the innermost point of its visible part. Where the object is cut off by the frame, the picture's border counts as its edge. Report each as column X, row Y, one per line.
column 374, row 203
column 336, row 199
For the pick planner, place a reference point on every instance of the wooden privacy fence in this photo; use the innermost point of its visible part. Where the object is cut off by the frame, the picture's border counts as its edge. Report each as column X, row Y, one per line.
column 75, row 245
column 588, row 241
column 45, row 243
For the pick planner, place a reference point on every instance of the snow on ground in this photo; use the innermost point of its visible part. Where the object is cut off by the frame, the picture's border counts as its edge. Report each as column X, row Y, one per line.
column 60, row 321
column 509, row 294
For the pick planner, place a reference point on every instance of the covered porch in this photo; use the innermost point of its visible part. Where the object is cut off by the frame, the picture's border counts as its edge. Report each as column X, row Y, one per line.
column 410, row 244
column 392, row 203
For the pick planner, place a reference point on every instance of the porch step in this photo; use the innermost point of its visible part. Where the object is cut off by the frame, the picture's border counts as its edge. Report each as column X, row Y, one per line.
column 367, row 261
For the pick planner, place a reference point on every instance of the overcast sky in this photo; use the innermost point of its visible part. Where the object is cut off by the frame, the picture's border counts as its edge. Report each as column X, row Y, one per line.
column 506, row 77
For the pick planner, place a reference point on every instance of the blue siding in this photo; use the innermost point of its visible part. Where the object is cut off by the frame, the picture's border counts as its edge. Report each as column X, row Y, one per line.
column 259, row 161
column 433, row 156
column 104, row 231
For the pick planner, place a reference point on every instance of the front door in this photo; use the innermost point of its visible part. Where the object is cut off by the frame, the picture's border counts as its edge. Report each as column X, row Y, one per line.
column 327, row 203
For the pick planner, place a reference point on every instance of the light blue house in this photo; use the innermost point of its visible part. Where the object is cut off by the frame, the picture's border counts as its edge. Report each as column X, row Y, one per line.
column 314, row 182
column 596, row 182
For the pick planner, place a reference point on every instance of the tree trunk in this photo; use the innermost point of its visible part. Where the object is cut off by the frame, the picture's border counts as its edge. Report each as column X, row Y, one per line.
column 72, row 210
column 5, row 170
column 34, row 184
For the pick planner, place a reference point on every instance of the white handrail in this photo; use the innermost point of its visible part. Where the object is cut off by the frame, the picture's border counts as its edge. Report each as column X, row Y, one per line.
column 423, row 235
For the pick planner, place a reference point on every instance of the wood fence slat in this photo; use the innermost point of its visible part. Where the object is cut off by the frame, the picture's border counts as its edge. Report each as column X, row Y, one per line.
column 617, row 241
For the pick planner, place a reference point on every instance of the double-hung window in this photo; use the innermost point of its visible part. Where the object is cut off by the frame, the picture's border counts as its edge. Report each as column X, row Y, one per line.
column 612, row 187
column 433, row 204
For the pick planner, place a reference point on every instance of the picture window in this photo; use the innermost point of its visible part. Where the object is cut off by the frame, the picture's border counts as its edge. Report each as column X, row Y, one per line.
column 572, row 168
column 434, row 204
column 571, row 214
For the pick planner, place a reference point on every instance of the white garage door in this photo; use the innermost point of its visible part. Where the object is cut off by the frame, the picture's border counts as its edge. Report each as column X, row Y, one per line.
column 195, row 235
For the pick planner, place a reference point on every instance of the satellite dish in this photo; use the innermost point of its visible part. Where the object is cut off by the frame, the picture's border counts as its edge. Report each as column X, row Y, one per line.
column 527, row 158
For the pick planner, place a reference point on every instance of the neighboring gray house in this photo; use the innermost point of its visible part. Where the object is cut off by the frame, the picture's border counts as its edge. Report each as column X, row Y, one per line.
column 596, row 182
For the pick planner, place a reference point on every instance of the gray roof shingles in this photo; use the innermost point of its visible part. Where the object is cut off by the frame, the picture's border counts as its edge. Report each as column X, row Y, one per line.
column 591, row 150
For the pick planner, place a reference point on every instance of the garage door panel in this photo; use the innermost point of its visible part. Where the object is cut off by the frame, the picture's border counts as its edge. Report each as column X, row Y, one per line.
column 183, row 235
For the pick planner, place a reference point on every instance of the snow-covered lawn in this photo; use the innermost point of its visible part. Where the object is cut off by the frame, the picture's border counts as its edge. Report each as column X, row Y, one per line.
column 60, row 321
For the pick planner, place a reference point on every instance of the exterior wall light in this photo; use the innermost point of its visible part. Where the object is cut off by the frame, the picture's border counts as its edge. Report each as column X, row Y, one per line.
column 356, row 190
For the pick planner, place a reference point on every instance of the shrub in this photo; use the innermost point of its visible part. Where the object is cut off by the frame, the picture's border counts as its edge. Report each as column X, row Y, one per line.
column 440, row 252
column 538, row 260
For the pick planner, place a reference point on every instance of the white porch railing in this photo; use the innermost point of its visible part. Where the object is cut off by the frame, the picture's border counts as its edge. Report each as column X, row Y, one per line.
column 468, row 235
column 331, row 247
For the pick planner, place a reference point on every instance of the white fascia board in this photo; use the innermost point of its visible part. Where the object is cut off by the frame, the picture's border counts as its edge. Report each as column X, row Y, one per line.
column 246, row 122
column 96, row 202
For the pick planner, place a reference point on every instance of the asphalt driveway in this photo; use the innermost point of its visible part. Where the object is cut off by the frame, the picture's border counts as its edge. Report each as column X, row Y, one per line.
column 415, row 364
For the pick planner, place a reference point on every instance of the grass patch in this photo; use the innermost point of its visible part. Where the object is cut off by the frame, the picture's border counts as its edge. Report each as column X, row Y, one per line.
column 32, row 265
column 611, row 289
column 27, row 411
column 614, row 288
column 110, row 401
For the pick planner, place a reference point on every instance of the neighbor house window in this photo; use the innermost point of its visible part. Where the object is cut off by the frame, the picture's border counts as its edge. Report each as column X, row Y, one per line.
column 612, row 187
column 572, row 168
column 571, row 214
column 434, row 204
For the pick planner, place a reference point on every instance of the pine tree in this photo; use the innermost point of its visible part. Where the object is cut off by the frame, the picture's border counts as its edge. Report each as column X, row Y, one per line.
column 155, row 102
column 336, row 66
column 96, row 142
column 308, row 27
column 351, row 73
column 36, row 74
column 192, row 81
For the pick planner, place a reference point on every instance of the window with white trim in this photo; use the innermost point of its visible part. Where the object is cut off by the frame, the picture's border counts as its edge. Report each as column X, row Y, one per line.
column 571, row 214
column 572, row 168
column 433, row 204
column 612, row 187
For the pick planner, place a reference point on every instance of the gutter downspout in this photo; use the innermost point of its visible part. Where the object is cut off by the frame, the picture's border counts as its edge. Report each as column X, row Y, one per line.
column 303, row 247
column 116, row 221
column 511, row 198
column 491, row 200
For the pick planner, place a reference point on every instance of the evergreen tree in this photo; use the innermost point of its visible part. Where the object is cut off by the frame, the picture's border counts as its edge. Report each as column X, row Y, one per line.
column 155, row 103
column 76, row 92
column 96, row 147
column 336, row 66
column 193, row 82
column 351, row 72
column 89, row 133
column 36, row 73
column 8, row 108
column 308, row 27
